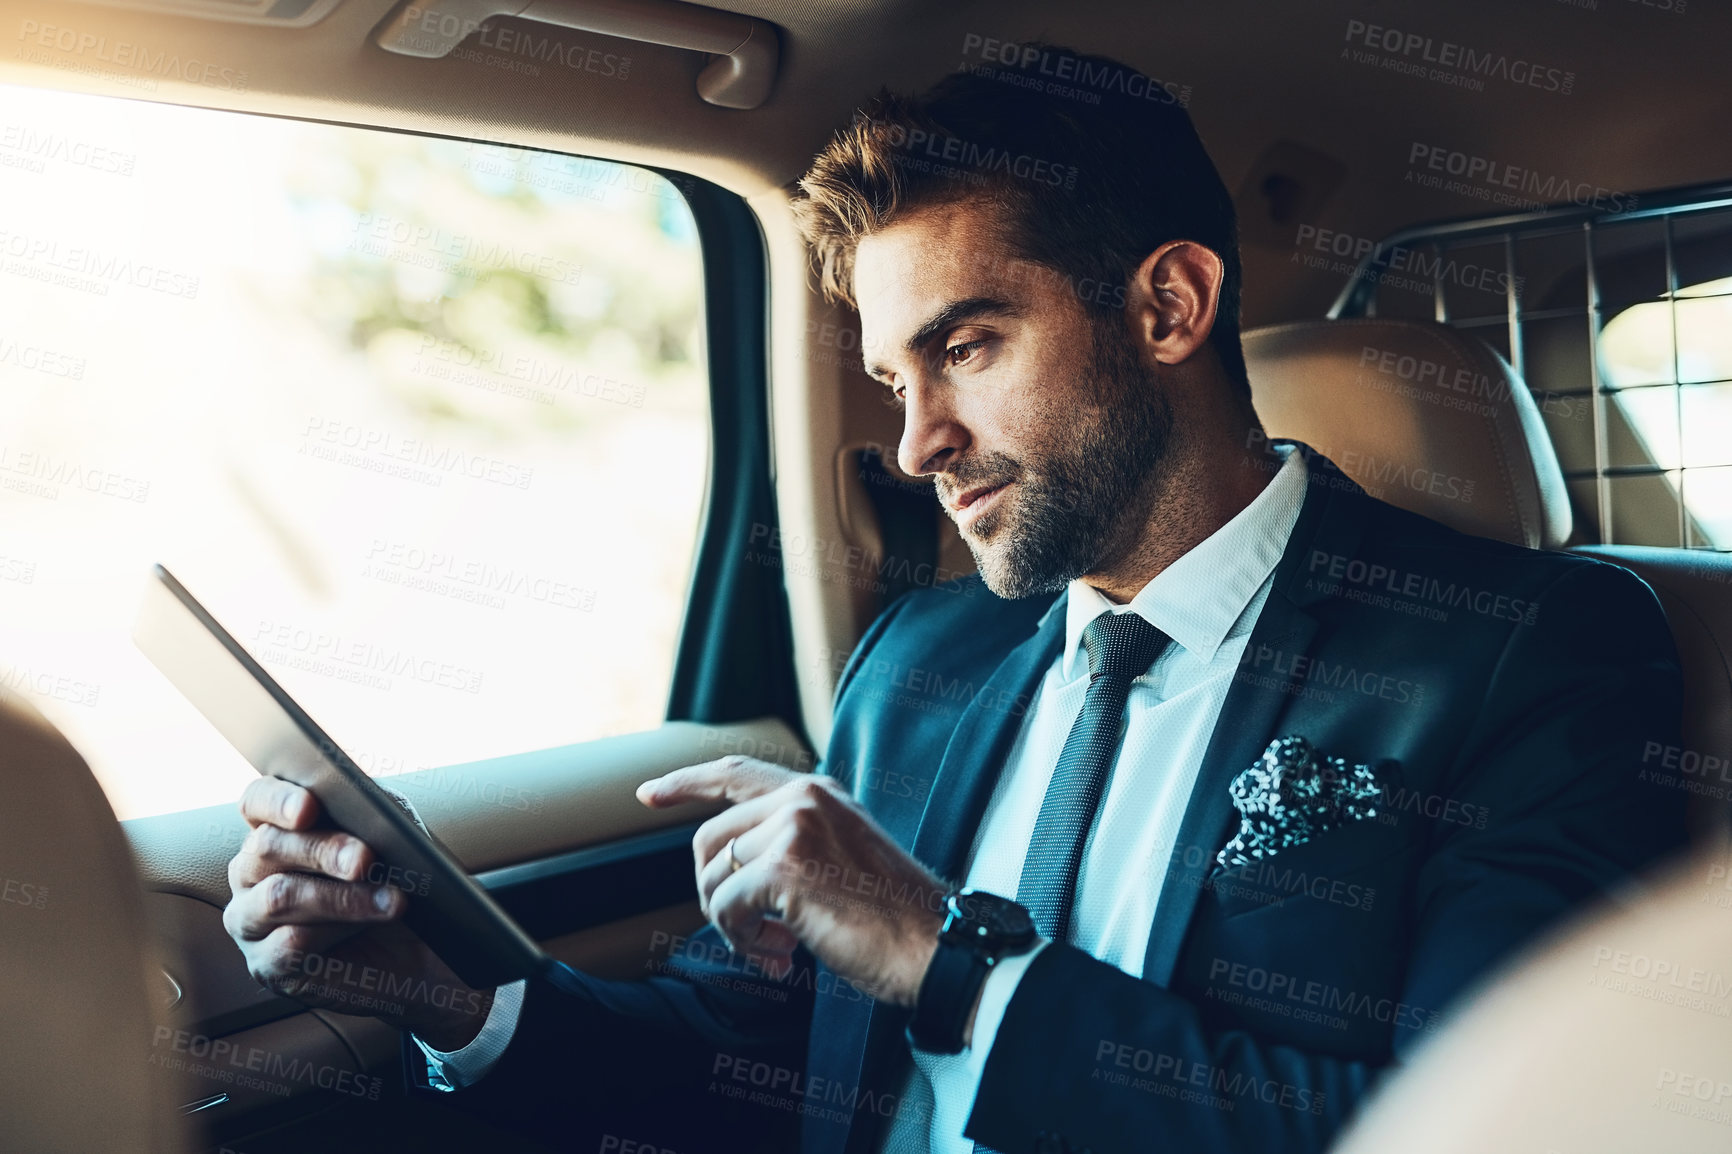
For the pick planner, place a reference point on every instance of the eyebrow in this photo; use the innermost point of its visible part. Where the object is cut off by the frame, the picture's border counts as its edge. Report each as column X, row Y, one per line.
column 948, row 317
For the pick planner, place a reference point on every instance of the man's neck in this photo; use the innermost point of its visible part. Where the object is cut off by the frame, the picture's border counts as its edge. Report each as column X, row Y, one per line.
column 1198, row 489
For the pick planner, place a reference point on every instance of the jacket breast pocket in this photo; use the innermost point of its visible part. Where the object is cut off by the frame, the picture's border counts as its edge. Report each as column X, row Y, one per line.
column 1308, row 947
column 1344, row 866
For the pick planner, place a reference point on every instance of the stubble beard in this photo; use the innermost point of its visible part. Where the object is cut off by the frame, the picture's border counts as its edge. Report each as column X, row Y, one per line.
column 1075, row 499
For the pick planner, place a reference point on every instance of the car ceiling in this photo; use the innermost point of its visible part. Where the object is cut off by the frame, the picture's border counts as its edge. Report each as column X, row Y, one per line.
column 1648, row 108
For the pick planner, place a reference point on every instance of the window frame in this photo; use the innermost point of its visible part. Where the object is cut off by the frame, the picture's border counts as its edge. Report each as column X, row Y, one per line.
column 735, row 656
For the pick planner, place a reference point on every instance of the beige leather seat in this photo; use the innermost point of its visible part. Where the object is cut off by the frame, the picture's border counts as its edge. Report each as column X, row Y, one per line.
column 1695, row 587
column 1432, row 419
column 76, row 985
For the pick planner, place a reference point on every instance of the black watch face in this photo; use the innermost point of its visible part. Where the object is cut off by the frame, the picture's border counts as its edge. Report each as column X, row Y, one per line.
column 987, row 922
column 1011, row 923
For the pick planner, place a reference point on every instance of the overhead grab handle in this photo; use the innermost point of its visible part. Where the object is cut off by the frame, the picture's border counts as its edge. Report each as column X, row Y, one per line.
column 745, row 47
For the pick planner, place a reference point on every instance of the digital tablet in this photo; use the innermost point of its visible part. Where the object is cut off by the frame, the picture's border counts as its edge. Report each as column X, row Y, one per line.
column 447, row 908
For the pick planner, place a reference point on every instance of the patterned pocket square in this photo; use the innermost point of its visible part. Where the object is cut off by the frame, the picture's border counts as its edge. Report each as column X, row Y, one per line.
column 1293, row 794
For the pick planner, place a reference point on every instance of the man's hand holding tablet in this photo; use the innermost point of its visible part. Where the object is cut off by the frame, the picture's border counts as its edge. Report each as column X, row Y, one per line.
column 318, row 923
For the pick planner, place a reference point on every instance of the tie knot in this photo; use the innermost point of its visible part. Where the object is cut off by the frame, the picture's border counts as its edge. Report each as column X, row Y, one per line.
column 1121, row 645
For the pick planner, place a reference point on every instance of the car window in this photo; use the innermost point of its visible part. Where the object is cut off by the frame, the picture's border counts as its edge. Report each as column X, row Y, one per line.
column 423, row 421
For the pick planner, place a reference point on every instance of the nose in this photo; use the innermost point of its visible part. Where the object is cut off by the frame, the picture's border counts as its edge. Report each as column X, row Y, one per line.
column 932, row 435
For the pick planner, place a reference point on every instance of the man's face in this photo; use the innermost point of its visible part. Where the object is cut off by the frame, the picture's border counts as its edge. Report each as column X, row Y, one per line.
column 1042, row 431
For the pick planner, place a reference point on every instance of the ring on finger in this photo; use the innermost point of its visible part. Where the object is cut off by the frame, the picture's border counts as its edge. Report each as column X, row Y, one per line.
column 734, row 862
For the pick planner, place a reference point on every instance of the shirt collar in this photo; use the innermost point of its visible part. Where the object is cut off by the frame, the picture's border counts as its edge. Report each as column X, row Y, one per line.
column 1198, row 599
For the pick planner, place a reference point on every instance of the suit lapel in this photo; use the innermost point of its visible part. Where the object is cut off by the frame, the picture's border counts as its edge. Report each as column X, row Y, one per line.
column 978, row 746
column 1247, row 724
column 1331, row 520
column 970, row 767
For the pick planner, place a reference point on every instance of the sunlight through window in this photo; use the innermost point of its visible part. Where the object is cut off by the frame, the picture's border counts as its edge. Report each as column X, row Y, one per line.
column 424, row 422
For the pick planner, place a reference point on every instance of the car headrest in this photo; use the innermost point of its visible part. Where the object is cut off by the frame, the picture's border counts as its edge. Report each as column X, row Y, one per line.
column 1420, row 415
column 76, row 1069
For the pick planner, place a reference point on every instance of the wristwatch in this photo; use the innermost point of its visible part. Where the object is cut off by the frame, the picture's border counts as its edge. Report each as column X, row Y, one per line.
column 980, row 930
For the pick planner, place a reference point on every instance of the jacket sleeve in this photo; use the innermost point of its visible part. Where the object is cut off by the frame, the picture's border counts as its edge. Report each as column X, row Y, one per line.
column 614, row 1054
column 641, row 1059
column 1088, row 1057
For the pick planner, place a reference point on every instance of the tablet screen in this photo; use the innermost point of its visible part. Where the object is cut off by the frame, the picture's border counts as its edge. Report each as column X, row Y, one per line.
column 447, row 908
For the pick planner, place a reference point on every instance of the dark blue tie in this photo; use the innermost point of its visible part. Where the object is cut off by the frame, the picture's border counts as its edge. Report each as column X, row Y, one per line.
column 1120, row 648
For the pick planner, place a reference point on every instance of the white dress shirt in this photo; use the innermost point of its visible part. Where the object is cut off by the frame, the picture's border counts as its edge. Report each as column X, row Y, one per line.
column 1207, row 602
column 456, row 1069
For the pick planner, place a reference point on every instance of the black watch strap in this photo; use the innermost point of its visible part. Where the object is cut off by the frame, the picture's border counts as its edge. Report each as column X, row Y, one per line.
column 946, row 997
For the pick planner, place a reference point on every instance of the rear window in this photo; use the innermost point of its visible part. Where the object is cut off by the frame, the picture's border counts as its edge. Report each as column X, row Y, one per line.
column 423, row 422
column 1670, row 364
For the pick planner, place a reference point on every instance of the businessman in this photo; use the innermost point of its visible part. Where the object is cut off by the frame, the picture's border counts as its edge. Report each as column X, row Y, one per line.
column 1211, row 835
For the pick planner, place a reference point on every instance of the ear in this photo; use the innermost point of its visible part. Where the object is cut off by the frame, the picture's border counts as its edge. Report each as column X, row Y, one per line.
column 1172, row 300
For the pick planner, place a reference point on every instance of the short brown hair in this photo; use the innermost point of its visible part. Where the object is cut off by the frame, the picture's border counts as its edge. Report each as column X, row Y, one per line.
column 1092, row 174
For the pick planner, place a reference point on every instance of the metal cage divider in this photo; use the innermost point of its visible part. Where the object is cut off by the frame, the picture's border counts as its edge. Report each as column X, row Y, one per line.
column 1359, row 299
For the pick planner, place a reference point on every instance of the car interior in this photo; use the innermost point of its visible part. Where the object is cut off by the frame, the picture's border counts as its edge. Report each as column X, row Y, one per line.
column 463, row 355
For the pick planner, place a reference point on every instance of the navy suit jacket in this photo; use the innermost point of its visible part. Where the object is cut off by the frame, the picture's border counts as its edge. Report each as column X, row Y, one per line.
column 1505, row 696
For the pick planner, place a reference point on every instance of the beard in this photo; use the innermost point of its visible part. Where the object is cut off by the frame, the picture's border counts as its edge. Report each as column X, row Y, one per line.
column 1077, row 494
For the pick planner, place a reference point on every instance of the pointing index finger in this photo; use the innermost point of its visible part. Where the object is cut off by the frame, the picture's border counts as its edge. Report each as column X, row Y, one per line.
column 732, row 779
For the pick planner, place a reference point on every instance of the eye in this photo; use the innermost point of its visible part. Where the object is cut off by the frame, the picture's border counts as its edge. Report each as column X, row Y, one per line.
column 957, row 355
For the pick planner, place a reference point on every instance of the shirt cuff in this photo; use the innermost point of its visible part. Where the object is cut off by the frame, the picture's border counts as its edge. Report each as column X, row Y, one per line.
column 995, row 994
column 468, row 1065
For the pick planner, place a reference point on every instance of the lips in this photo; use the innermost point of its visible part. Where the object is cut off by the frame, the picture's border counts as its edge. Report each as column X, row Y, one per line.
column 975, row 495
column 974, row 504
